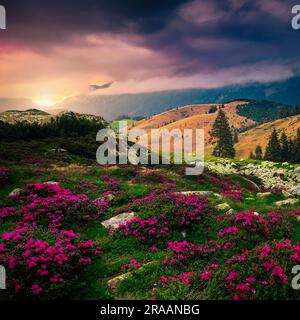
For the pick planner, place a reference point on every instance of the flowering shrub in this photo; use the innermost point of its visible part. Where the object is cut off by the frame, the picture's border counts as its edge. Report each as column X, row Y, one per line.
column 111, row 183
column 225, row 183
column 132, row 265
column 6, row 212
column 236, row 195
column 4, row 175
column 161, row 214
column 51, row 205
column 37, row 267
column 262, row 273
column 181, row 286
column 248, row 229
column 39, row 190
column 185, row 253
column 86, row 186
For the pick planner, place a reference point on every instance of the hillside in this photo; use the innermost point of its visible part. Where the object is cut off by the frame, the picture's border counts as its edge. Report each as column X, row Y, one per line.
column 260, row 134
column 110, row 107
column 30, row 115
column 196, row 116
column 39, row 116
column 201, row 116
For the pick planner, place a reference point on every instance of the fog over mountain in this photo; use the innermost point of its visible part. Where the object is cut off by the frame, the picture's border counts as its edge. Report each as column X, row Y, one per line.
column 144, row 104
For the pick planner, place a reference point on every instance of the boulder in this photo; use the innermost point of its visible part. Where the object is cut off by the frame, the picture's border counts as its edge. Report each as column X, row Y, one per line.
column 200, row 193
column 52, row 182
column 229, row 212
column 15, row 193
column 223, row 206
column 115, row 282
column 287, row 202
column 116, row 221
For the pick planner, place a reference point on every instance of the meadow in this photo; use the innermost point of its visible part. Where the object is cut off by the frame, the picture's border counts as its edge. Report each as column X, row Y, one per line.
column 225, row 241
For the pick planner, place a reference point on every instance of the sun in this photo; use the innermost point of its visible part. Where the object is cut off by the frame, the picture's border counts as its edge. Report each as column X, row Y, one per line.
column 47, row 101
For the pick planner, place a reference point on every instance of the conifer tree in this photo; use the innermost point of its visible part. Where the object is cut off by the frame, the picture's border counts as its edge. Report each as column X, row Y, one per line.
column 221, row 131
column 258, row 153
column 285, row 154
column 273, row 150
column 235, row 135
column 295, row 152
column 252, row 156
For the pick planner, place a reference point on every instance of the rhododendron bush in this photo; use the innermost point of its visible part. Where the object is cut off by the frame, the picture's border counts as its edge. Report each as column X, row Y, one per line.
column 248, row 229
column 161, row 214
column 52, row 205
column 262, row 273
column 41, row 257
column 37, row 267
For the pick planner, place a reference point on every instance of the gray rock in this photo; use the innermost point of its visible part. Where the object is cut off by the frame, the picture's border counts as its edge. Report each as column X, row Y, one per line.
column 15, row 193
column 116, row 221
column 115, row 282
column 286, row 202
column 52, row 182
column 223, row 206
column 229, row 212
column 201, row 193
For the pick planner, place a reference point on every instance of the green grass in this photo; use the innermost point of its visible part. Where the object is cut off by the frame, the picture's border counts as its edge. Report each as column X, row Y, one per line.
column 117, row 250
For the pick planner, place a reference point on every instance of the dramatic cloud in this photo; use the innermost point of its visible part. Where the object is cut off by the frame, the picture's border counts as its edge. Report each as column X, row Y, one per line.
column 60, row 47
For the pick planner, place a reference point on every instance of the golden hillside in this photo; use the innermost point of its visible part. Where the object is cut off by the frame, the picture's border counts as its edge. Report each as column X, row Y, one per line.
column 198, row 116
column 194, row 116
column 260, row 134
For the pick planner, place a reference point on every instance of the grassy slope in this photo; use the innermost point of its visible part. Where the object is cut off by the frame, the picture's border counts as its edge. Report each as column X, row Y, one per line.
column 260, row 134
column 117, row 250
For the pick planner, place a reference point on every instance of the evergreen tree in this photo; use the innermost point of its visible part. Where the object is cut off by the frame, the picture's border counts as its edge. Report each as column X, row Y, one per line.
column 295, row 151
column 251, row 156
column 221, row 131
column 258, row 153
column 273, row 150
column 235, row 135
column 285, row 152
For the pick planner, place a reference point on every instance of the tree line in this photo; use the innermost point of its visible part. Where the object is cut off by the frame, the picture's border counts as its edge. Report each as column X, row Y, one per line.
column 280, row 148
column 65, row 125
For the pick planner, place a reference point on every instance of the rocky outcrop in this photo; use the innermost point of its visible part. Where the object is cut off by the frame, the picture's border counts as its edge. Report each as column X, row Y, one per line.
column 115, row 222
column 271, row 175
column 287, row 202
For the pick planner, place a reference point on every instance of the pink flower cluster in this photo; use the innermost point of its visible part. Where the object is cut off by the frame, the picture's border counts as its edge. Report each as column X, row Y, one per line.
column 111, row 183
column 163, row 213
column 86, row 186
column 236, row 195
column 266, row 268
column 52, row 205
column 132, row 265
column 39, row 254
column 35, row 266
column 6, row 212
column 225, row 183
column 248, row 224
column 185, row 253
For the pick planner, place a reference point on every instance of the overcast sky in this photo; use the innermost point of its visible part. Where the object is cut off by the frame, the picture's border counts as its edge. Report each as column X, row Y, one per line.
column 59, row 48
